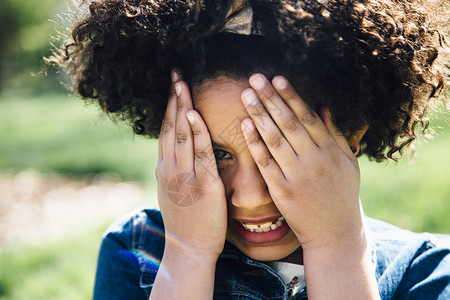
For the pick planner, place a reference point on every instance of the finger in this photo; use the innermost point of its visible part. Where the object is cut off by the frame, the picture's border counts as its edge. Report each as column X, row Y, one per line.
column 204, row 160
column 276, row 142
column 160, row 146
column 183, row 135
column 310, row 120
column 167, row 134
column 175, row 76
column 269, row 168
column 282, row 114
column 337, row 134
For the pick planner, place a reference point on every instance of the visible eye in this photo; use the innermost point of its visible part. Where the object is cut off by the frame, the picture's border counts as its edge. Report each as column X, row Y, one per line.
column 221, row 155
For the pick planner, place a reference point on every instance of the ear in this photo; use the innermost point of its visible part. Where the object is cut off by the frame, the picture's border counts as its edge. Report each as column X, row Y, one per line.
column 355, row 138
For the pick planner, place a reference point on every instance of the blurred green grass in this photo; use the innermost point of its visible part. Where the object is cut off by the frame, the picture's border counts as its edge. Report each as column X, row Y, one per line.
column 61, row 134
column 415, row 192
column 58, row 270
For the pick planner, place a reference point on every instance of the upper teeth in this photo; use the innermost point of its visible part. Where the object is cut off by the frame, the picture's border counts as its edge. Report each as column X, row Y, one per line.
column 264, row 227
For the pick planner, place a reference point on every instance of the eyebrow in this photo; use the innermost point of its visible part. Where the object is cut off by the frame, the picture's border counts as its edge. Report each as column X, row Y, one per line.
column 218, row 145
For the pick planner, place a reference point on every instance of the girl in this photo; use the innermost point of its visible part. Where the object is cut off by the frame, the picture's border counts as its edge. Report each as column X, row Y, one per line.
column 270, row 103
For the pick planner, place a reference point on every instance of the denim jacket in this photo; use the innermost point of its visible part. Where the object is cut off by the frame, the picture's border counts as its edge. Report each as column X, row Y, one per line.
column 408, row 265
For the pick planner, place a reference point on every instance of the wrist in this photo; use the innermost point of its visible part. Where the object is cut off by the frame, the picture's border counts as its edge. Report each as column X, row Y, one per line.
column 337, row 235
column 175, row 264
column 348, row 243
column 181, row 254
column 342, row 253
column 185, row 274
column 347, row 268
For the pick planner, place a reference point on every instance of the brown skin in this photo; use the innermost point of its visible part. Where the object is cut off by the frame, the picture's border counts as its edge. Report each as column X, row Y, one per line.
column 253, row 190
column 309, row 175
column 175, row 157
column 219, row 102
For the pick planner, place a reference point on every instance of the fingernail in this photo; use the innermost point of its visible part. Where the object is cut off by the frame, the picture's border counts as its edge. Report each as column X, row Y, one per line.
column 257, row 82
column 280, row 82
column 248, row 125
column 175, row 76
column 250, row 97
column 190, row 117
column 178, row 89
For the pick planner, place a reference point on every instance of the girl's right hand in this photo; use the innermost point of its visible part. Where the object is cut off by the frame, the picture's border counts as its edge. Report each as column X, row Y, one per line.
column 191, row 194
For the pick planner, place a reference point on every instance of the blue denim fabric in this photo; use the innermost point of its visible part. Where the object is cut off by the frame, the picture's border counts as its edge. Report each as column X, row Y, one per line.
column 408, row 265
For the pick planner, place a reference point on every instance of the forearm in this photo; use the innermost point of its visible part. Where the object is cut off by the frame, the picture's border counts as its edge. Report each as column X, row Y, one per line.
column 342, row 271
column 184, row 275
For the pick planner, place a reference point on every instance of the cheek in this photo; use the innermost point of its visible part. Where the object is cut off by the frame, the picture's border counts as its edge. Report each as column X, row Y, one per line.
column 226, row 174
column 223, row 165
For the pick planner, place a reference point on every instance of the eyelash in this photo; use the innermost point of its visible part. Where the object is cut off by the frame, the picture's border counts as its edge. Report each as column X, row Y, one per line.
column 217, row 153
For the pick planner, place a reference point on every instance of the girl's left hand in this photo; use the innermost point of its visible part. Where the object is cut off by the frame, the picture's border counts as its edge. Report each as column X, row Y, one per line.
column 311, row 173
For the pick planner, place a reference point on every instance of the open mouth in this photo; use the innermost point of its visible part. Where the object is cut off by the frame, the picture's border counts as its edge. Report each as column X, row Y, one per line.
column 264, row 227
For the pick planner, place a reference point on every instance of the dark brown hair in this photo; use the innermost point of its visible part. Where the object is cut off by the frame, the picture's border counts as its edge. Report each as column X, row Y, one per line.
column 371, row 62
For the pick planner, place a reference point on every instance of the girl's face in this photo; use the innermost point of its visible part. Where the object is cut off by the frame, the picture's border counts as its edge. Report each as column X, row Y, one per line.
column 254, row 224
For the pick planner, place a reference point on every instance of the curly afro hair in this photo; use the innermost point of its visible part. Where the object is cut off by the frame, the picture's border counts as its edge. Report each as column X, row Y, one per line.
column 371, row 62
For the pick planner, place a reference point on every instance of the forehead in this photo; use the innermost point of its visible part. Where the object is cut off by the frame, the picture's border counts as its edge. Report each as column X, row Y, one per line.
column 219, row 103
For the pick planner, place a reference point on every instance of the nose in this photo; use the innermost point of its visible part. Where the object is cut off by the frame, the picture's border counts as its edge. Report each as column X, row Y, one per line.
column 248, row 188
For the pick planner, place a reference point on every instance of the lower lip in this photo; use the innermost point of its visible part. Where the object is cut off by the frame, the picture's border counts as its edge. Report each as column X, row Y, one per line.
column 260, row 237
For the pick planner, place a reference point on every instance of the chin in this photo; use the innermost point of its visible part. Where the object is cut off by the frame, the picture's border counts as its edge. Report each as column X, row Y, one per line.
column 266, row 252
